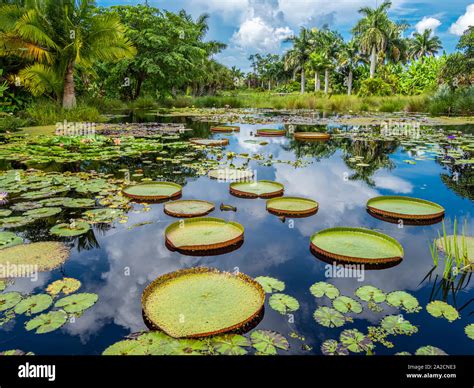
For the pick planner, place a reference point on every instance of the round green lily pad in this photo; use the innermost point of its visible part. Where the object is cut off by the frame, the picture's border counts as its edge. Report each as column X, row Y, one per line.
column 321, row 289
column 9, row 300
column 257, row 189
column 438, row 309
column 396, row 324
column 355, row 341
column 344, row 305
column 469, row 330
column 328, row 317
column 210, row 142
column 66, row 286
column 370, row 293
column 9, row 239
column 125, row 348
column 292, row 206
column 46, row 323
column 230, row 175
column 230, row 344
column 153, row 191
column 5, row 212
column 203, row 234
column 268, row 342
column 271, row 132
column 404, row 301
column 405, row 208
column 43, row 212
column 333, row 348
column 25, row 206
column 430, row 351
column 103, row 216
column 200, row 302
column 356, row 245
column 15, row 221
column 283, row 303
column 77, row 203
column 76, row 303
column 34, row 304
column 70, row 230
column 270, row 284
column 38, row 256
column 188, row 208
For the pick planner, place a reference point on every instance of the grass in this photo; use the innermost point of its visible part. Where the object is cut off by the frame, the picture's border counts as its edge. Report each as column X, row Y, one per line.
column 48, row 113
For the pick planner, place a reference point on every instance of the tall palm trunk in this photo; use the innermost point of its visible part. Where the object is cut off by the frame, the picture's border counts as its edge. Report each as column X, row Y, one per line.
column 349, row 83
column 373, row 61
column 317, row 82
column 326, row 81
column 69, row 91
column 303, row 80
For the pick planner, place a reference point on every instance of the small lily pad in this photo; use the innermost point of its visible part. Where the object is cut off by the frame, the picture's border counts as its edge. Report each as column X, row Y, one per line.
column 125, row 348
column 43, row 212
column 321, row 289
column 430, row 351
column 344, row 304
column 9, row 300
column 396, row 324
column 270, row 284
column 77, row 303
column 469, row 330
column 46, row 323
column 267, row 342
column 355, row 341
column 283, row 303
column 79, row 203
column 329, row 317
column 70, row 230
column 333, row 348
column 404, row 301
column 9, row 239
column 66, row 286
column 230, row 344
column 33, row 304
column 370, row 293
column 438, row 309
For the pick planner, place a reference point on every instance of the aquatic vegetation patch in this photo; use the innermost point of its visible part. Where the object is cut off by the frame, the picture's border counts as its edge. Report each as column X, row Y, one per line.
column 153, row 191
column 9, row 239
column 257, row 189
column 34, row 304
column 72, row 229
column 355, row 341
column 292, row 206
column 430, row 351
column 43, row 212
column 103, row 216
column 201, row 302
column 344, row 305
column 15, row 221
column 267, row 342
column 188, row 208
column 405, row 208
column 46, row 323
column 283, row 303
column 270, row 284
column 65, row 286
column 440, row 309
column 210, row 142
column 396, row 324
column 43, row 256
column 321, row 289
column 404, row 301
column 230, row 344
column 329, row 317
column 332, row 347
column 370, row 294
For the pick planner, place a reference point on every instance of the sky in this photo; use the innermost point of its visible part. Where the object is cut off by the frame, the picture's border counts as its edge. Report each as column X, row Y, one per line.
column 261, row 26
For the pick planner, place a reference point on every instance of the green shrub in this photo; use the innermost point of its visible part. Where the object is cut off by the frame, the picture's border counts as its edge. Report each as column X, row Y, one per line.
column 452, row 102
column 9, row 122
column 374, row 87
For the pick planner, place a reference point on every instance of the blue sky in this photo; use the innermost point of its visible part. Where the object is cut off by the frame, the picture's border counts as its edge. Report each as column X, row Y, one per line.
column 252, row 26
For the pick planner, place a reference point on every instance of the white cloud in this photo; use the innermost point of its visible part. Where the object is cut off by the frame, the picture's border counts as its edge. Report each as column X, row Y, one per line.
column 256, row 34
column 464, row 21
column 427, row 23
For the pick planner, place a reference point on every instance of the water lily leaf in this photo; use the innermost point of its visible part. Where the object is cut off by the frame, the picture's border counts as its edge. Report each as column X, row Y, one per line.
column 403, row 354
column 15, row 352
column 43, row 212
column 283, row 303
column 438, row 309
column 25, row 206
column 106, row 215
column 34, row 304
column 469, row 330
column 355, row 341
column 404, row 301
column 66, row 286
column 321, row 289
column 230, row 344
column 344, row 304
column 267, row 342
column 40, row 256
column 430, row 351
column 125, row 348
column 79, row 202
column 9, row 239
column 370, row 294
column 15, row 221
column 5, row 212
column 77, row 303
column 46, row 323
column 270, row 284
column 9, row 300
column 396, row 324
column 333, row 348
column 70, row 230
column 329, row 317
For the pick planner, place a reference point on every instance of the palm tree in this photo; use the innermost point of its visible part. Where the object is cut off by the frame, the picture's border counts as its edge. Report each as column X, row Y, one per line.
column 424, row 45
column 349, row 58
column 397, row 45
column 372, row 31
column 58, row 37
column 298, row 56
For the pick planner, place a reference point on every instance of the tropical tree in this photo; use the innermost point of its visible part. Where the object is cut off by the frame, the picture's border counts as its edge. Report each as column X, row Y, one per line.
column 297, row 57
column 349, row 58
column 424, row 45
column 372, row 32
column 58, row 37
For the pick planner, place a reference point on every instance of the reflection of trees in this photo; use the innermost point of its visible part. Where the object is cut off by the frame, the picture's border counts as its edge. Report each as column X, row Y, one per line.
column 463, row 185
column 375, row 153
column 316, row 149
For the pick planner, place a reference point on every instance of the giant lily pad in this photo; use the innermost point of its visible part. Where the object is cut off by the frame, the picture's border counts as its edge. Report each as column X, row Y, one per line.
column 34, row 304
column 210, row 142
column 40, row 256
column 153, row 191
column 405, row 208
column 321, row 289
column 271, row 132
column 312, row 136
column 230, row 175
column 328, row 317
column 9, row 239
column 438, row 309
column 270, row 284
column 226, row 128
column 77, row 303
column 200, row 302
column 43, row 212
column 356, row 245
column 66, row 286
column 283, row 303
column 46, row 323
column 344, row 304
column 465, row 245
column 9, row 300
column 257, row 189
column 404, row 301
column 267, row 342
column 188, row 208
column 103, row 216
column 292, row 206
column 203, row 234
column 70, row 230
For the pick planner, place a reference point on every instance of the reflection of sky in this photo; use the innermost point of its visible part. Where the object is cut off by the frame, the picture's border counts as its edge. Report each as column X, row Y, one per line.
column 130, row 259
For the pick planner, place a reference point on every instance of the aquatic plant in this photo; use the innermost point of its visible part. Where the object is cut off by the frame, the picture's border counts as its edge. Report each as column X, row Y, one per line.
column 65, row 286
column 292, row 206
column 397, row 324
column 329, row 317
column 354, row 341
column 331, row 347
column 283, row 303
column 404, row 301
column 9, row 239
column 77, row 303
column 344, row 305
column 230, row 344
column 188, row 208
column 430, row 351
column 43, row 256
column 438, row 309
column 469, row 330
column 270, row 284
column 267, row 342
column 9, row 300
column 321, row 289
column 46, row 323
column 70, row 230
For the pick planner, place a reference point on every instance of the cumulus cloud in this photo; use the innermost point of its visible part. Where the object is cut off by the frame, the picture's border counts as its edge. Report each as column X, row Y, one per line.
column 463, row 22
column 255, row 33
column 427, row 23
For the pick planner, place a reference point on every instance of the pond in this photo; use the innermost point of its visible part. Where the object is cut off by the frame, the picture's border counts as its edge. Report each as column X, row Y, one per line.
column 117, row 260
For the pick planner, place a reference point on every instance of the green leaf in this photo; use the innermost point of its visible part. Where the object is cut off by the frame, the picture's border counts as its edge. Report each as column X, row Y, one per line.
column 430, row 351
column 34, row 304
column 283, row 303
column 321, row 289
column 230, row 344
column 404, row 301
column 370, row 294
column 344, row 304
column 267, row 342
column 355, row 341
column 77, row 303
column 66, row 286
column 469, row 330
column 46, row 323
column 396, row 324
column 438, row 309
column 125, row 348
column 333, row 348
column 9, row 300
column 270, row 284
column 329, row 317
